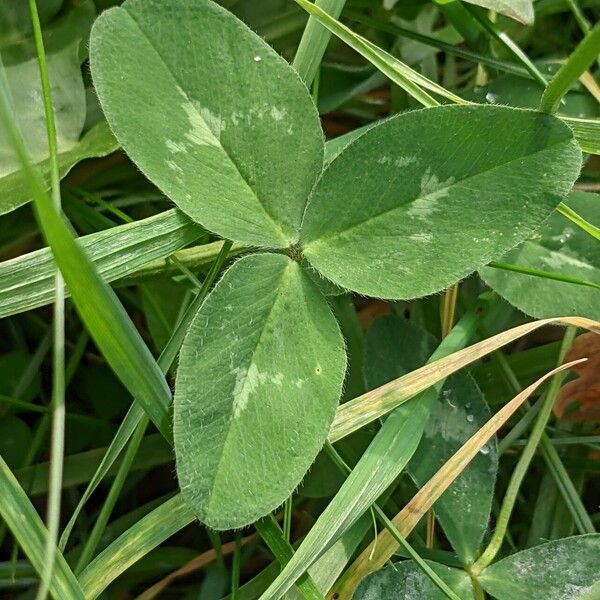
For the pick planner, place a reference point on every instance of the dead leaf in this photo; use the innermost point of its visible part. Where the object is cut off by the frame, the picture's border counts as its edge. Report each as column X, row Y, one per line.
column 579, row 400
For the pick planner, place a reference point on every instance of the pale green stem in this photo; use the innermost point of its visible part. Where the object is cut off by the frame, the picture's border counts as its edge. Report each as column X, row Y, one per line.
column 581, row 58
column 586, row 226
column 58, row 351
column 522, row 466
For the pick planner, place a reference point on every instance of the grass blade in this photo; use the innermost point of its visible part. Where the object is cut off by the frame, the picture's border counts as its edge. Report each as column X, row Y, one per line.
column 273, row 536
column 98, row 306
column 314, row 41
column 407, row 519
column 570, row 214
column 586, row 132
column 57, row 443
column 362, row 410
column 26, row 282
column 543, row 274
column 401, row 74
column 150, row 531
column 27, row 527
column 582, row 57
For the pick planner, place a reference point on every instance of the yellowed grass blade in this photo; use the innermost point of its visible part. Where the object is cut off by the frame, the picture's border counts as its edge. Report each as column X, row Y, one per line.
column 382, row 549
column 197, row 563
column 370, row 406
column 588, row 81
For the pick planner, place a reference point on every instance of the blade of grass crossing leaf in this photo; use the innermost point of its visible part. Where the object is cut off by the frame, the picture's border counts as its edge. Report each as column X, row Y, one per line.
column 402, row 542
column 362, row 410
column 135, row 415
column 150, row 531
column 525, row 459
column 273, row 536
column 458, row 51
column 407, row 519
column 314, row 41
column 508, row 43
column 57, row 444
column 378, row 467
column 92, row 541
column 586, row 132
column 568, row 74
column 401, row 74
column 27, row 281
column 543, row 274
column 98, row 306
column 27, row 527
column 570, row 214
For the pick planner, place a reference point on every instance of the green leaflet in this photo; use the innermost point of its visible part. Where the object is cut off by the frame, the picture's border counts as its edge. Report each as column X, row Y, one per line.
column 405, row 581
column 378, row 221
column 566, row 568
column 560, row 247
column 97, row 142
column 258, row 383
column 24, row 88
column 223, row 156
column 395, row 347
column 521, row 10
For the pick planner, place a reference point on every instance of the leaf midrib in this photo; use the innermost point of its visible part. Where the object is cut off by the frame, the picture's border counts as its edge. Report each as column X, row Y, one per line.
column 277, row 298
column 441, row 189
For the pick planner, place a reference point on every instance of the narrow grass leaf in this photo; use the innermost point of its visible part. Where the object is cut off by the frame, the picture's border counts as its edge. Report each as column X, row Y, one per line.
column 586, row 132
column 314, row 41
column 27, row 282
column 428, row 168
column 149, row 532
column 566, row 568
column 273, row 536
column 222, row 156
column 569, row 73
column 268, row 333
column 406, row 520
column 357, row 413
column 401, row 74
column 27, row 527
column 99, row 308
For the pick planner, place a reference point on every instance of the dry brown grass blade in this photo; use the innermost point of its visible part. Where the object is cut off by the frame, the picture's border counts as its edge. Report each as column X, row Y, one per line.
column 588, row 81
column 366, row 408
column 190, row 567
column 383, row 548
